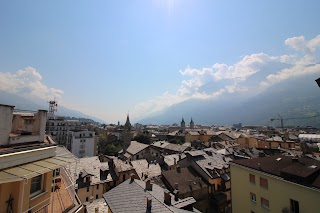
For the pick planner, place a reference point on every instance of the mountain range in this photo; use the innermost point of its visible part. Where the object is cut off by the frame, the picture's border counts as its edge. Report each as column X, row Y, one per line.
column 296, row 99
column 28, row 104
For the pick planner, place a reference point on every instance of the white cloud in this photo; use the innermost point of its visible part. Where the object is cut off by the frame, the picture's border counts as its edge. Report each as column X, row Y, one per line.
column 27, row 82
column 300, row 44
column 301, row 62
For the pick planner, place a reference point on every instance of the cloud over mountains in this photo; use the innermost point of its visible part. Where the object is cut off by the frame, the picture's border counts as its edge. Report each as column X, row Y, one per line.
column 301, row 59
column 28, row 83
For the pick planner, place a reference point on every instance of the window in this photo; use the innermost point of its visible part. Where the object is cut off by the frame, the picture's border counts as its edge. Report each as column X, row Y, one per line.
column 36, row 185
column 87, row 179
column 98, row 186
column 97, row 196
column 264, row 203
column 87, row 199
column 294, row 206
column 253, row 197
column 263, row 182
column 87, row 188
column 124, row 177
column 252, row 178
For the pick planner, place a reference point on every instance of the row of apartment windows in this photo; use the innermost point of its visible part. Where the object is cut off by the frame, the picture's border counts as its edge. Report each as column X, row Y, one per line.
column 263, row 181
column 294, row 205
column 264, row 202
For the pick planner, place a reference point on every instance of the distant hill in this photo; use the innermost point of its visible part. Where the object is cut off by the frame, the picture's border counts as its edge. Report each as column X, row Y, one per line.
column 23, row 103
column 294, row 98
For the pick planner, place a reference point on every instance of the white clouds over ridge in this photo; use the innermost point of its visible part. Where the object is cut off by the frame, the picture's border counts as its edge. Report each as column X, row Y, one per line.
column 27, row 82
column 303, row 61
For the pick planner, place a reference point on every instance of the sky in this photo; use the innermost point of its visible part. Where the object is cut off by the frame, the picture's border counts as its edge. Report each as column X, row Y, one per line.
column 110, row 58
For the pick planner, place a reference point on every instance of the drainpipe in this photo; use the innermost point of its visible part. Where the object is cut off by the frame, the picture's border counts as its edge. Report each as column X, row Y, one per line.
column 25, row 181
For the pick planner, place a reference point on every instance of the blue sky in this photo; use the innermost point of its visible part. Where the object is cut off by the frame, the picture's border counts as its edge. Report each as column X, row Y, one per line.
column 108, row 58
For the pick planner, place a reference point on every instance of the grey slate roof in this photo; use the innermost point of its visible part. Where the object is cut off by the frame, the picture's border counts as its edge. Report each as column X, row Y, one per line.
column 131, row 196
column 210, row 162
column 89, row 166
column 169, row 159
column 143, row 168
column 98, row 203
column 136, row 147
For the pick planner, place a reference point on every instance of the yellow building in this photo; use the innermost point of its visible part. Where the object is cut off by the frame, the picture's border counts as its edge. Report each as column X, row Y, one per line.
column 30, row 164
column 275, row 184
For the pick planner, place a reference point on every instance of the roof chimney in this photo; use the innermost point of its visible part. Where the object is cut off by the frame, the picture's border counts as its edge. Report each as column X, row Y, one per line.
column 149, row 204
column 176, row 195
column 96, row 210
column 176, row 186
column 148, row 185
column 178, row 169
column 167, row 197
column 6, row 114
column 132, row 177
column 91, row 199
column 175, row 161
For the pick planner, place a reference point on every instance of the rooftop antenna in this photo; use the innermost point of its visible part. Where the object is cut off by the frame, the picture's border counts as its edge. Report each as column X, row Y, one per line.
column 53, row 105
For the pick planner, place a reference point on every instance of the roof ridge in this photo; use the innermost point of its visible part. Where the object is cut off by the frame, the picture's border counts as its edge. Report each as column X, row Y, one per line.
column 154, row 196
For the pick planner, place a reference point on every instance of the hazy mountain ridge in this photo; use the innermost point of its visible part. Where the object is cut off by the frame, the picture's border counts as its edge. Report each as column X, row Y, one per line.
column 294, row 98
column 25, row 104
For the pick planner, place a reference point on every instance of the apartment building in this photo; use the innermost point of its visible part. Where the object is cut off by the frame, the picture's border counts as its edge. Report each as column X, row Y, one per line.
column 214, row 169
column 82, row 143
column 58, row 128
column 31, row 173
column 275, row 184
column 91, row 178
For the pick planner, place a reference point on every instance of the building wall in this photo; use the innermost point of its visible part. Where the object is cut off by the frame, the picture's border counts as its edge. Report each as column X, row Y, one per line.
column 85, row 145
column 247, row 142
column 189, row 137
column 16, row 189
column 279, row 193
column 93, row 191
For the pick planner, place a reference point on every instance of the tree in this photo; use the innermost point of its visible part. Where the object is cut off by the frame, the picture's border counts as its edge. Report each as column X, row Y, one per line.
column 142, row 139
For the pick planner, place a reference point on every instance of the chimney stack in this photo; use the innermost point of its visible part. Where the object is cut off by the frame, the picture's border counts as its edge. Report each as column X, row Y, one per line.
column 167, row 197
column 91, row 199
column 178, row 169
column 176, row 186
column 176, row 194
column 175, row 161
column 96, row 210
column 6, row 113
column 149, row 204
column 132, row 177
column 148, row 185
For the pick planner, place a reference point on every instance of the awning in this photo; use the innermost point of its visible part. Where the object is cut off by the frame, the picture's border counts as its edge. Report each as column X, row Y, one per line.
column 33, row 169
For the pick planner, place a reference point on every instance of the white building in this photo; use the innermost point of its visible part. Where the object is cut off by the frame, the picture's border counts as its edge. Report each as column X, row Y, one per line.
column 82, row 143
column 58, row 128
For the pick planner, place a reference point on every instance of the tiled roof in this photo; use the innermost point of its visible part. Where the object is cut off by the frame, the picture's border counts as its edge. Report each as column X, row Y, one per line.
column 160, row 144
column 210, row 162
column 176, row 147
column 194, row 133
column 136, row 147
column 169, row 159
column 98, row 203
column 301, row 170
column 143, row 167
column 89, row 166
column 131, row 196
column 184, row 178
column 122, row 166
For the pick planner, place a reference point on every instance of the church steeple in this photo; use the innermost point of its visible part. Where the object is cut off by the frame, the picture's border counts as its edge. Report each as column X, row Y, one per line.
column 191, row 124
column 127, row 125
column 183, row 124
